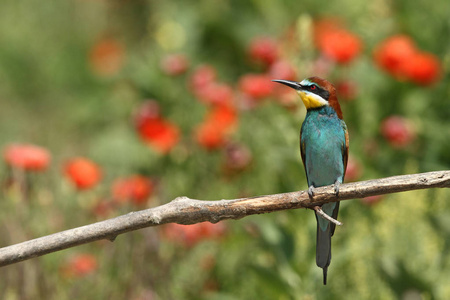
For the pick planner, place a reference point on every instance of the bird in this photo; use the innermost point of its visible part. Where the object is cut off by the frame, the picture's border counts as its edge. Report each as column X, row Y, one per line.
column 324, row 144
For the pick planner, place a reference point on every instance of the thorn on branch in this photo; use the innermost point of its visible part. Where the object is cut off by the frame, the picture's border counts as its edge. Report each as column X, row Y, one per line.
column 325, row 216
column 180, row 199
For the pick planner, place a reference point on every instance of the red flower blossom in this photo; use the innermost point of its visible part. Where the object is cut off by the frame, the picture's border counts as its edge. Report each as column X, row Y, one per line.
column 148, row 110
column 213, row 132
column 174, row 64
column 167, row 138
column 282, row 69
column 107, row 57
column 398, row 56
column 80, row 265
column 340, row 45
column 325, row 25
column 237, row 158
column 264, row 50
column 224, row 117
column 160, row 134
column 347, row 90
column 210, row 136
column 394, row 54
column 336, row 42
column 423, row 68
column 202, row 77
column 397, row 131
column 136, row 188
column 82, row 172
column 215, row 93
column 27, row 157
column 190, row 235
column 103, row 208
column 256, row 86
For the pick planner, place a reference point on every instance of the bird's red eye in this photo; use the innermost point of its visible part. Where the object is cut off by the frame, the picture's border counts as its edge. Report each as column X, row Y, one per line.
column 313, row 87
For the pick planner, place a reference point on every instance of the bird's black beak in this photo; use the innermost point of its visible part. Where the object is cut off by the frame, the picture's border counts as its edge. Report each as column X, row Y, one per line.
column 291, row 84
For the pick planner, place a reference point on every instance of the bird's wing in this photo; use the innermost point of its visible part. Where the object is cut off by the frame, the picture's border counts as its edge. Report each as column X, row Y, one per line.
column 345, row 146
column 345, row 160
column 302, row 153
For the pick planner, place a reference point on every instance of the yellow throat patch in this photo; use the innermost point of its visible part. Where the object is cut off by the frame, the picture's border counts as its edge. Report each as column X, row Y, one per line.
column 312, row 100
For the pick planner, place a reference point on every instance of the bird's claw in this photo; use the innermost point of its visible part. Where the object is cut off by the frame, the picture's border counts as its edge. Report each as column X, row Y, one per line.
column 311, row 192
column 337, row 184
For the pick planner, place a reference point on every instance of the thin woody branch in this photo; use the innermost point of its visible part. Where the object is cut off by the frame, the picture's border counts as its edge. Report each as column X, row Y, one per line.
column 325, row 216
column 183, row 210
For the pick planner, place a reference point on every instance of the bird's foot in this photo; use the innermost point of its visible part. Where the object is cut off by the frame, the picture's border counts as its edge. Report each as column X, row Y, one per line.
column 337, row 184
column 311, row 192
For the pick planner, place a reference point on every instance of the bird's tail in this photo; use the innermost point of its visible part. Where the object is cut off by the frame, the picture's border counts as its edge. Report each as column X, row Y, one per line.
column 323, row 249
column 325, row 230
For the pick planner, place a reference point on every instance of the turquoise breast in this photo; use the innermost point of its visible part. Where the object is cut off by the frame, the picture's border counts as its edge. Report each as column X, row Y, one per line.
column 323, row 137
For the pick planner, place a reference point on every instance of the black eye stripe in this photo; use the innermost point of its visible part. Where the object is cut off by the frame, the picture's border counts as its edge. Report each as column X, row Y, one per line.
column 318, row 91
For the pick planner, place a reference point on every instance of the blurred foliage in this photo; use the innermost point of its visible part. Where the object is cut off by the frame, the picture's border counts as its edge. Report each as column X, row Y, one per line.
column 73, row 73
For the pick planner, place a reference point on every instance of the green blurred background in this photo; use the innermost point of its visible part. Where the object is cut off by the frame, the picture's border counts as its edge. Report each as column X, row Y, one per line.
column 56, row 91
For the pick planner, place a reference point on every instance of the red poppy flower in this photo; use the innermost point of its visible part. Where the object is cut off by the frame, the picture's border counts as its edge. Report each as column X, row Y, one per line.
column 223, row 116
column 423, row 68
column 136, row 188
column 83, row 173
column 107, row 56
column 264, row 50
column 190, row 235
column 210, row 136
column 219, row 123
column 160, row 134
column 27, row 157
column 256, row 86
column 347, row 90
column 335, row 41
column 215, row 93
column 148, row 110
column 237, row 158
column 201, row 77
column 103, row 208
column 174, row 64
column 340, row 45
column 394, row 54
column 80, row 265
column 397, row 131
column 325, row 25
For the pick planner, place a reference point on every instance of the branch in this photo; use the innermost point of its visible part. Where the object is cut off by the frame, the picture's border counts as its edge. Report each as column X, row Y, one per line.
column 325, row 216
column 183, row 210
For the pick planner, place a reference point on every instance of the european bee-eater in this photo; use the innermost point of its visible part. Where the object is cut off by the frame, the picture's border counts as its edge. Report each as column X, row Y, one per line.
column 324, row 150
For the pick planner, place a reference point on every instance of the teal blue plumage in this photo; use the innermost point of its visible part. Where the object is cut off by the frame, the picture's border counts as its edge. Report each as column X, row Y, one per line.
column 322, row 144
column 324, row 151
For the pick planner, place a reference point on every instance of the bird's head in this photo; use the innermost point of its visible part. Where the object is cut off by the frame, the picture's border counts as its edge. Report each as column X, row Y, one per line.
column 315, row 92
